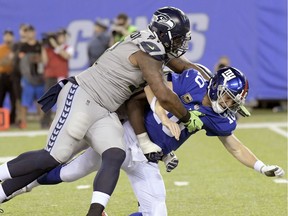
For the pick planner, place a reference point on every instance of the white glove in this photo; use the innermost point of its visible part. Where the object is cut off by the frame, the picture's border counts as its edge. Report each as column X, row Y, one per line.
column 269, row 170
column 272, row 170
column 171, row 161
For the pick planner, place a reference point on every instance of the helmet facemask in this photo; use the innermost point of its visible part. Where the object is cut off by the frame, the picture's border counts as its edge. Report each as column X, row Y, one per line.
column 222, row 94
column 179, row 45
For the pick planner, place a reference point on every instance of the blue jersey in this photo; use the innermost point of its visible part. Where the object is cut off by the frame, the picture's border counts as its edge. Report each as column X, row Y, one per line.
column 191, row 88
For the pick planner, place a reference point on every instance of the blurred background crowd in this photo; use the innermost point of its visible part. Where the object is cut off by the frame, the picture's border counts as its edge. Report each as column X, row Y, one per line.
column 249, row 35
column 29, row 67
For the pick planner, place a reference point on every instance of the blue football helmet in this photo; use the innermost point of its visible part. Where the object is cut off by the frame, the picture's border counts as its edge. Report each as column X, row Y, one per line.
column 228, row 81
column 172, row 27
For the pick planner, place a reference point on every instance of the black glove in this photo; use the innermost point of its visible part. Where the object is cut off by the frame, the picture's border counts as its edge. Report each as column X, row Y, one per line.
column 154, row 157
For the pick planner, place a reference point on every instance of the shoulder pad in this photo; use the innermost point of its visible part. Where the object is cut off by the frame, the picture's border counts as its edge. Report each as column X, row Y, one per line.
column 149, row 44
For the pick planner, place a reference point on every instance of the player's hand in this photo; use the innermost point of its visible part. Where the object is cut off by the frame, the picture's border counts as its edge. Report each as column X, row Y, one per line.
column 173, row 127
column 152, row 152
column 171, row 161
column 194, row 122
column 154, row 157
column 272, row 170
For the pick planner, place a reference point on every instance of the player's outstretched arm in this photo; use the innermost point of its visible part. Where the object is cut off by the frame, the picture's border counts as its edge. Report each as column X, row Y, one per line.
column 246, row 157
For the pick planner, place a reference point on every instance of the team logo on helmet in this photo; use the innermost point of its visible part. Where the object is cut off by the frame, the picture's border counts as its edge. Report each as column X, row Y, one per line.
column 164, row 20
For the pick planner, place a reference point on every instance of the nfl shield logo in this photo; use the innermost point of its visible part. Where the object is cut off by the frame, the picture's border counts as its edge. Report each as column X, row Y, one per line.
column 187, row 98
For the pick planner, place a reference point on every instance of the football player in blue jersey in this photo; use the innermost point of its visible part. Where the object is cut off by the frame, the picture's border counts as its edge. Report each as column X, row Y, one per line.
column 218, row 100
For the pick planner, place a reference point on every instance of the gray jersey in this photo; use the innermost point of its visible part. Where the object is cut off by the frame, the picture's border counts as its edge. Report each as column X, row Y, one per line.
column 113, row 79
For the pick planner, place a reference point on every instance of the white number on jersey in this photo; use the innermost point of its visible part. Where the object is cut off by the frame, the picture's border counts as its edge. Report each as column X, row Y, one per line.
column 164, row 128
column 231, row 118
column 200, row 80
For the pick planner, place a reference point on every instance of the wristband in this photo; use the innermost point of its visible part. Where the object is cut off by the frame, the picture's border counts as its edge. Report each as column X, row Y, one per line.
column 258, row 166
column 153, row 103
column 143, row 138
column 185, row 118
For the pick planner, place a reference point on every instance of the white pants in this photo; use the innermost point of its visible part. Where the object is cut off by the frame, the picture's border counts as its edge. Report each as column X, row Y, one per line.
column 79, row 117
column 145, row 177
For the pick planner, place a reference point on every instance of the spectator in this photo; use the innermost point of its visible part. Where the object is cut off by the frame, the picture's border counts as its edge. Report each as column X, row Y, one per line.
column 31, row 68
column 100, row 41
column 6, row 67
column 121, row 28
column 56, row 54
column 16, row 74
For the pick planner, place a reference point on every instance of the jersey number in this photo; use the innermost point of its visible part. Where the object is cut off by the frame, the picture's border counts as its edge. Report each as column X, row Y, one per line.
column 164, row 128
column 200, row 81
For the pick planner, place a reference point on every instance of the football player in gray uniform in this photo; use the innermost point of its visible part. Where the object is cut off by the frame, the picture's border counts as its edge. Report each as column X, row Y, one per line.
column 86, row 106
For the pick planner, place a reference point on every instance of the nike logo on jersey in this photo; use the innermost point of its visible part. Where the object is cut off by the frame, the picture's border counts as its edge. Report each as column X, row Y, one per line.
column 151, row 47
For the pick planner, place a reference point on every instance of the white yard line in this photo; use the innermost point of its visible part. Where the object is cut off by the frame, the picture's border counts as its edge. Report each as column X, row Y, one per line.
column 23, row 133
column 280, row 181
column 279, row 131
column 271, row 125
column 5, row 159
column 261, row 125
column 274, row 126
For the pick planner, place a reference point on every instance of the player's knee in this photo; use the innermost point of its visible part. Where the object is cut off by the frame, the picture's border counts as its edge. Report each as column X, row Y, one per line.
column 114, row 157
column 159, row 208
column 154, row 207
column 44, row 161
column 63, row 154
column 78, row 125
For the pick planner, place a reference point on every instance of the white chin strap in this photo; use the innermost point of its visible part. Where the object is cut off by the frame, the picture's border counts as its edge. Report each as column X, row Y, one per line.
column 216, row 107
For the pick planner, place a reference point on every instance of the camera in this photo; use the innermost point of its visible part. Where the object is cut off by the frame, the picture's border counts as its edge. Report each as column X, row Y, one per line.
column 46, row 38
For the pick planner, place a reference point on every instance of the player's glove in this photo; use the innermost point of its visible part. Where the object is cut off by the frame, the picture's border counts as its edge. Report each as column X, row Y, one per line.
column 152, row 152
column 154, row 157
column 269, row 170
column 171, row 161
column 272, row 170
column 194, row 122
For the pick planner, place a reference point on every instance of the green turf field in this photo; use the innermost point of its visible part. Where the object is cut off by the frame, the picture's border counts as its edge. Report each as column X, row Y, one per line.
column 218, row 185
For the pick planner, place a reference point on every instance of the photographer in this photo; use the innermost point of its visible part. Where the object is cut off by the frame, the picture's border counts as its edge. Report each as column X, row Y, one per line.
column 56, row 54
column 121, row 28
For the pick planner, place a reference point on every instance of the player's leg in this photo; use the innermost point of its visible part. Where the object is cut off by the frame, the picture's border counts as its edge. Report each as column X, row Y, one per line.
column 145, row 178
column 80, row 166
column 149, row 188
column 84, row 164
column 106, row 138
column 62, row 144
column 24, row 169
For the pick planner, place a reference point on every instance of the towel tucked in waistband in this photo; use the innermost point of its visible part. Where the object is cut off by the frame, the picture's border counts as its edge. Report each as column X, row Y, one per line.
column 50, row 97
